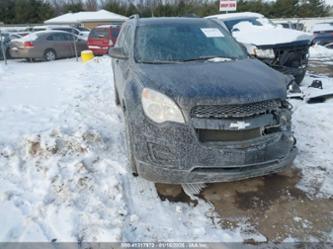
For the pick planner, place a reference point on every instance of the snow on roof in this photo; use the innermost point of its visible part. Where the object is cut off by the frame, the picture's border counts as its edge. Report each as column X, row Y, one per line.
column 236, row 15
column 267, row 34
column 87, row 16
column 322, row 27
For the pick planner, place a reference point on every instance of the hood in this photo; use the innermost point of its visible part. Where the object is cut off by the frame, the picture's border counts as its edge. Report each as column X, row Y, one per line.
column 234, row 82
column 267, row 35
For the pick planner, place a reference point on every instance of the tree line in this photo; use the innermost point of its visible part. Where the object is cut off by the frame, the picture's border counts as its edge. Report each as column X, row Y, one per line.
column 37, row 11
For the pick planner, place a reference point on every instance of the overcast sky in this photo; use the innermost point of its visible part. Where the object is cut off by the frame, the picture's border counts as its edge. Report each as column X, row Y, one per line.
column 330, row 2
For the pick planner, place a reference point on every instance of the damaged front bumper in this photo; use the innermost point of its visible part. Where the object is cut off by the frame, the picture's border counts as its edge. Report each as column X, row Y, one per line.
column 289, row 59
column 211, row 150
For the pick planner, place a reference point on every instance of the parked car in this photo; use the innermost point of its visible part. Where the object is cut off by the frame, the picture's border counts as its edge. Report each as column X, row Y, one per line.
column 329, row 45
column 47, row 45
column 102, row 38
column 5, row 40
column 197, row 107
column 323, row 33
column 285, row 50
column 80, row 32
column 291, row 25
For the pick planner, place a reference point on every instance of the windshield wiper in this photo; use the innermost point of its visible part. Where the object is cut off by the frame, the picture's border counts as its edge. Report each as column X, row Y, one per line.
column 158, row 62
column 201, row 58
column 204, row 58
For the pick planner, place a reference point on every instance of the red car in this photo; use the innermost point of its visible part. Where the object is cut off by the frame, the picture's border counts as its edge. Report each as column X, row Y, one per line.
column 102, row 38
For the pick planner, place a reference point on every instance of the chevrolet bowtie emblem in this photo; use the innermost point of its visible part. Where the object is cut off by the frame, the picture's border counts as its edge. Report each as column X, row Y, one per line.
column 239, row 125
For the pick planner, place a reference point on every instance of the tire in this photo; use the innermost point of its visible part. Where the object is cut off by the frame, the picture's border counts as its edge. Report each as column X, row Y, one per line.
column 8, row 54
column 116, row 96
column 299, row 77
column 30, row 59
column 50, row 55
column 131, row 166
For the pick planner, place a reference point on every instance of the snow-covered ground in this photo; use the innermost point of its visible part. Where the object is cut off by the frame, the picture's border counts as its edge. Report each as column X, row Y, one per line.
column 62, row 164
column 312, row 124
column 318, row 52
column 63, row 157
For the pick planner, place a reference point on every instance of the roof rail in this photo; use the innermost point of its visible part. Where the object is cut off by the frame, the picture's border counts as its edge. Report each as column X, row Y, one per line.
column 136, row 16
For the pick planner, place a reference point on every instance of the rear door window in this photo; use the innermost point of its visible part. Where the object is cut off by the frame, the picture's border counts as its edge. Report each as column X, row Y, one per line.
column 68, row 37
column 99, row 34
column 58, row 37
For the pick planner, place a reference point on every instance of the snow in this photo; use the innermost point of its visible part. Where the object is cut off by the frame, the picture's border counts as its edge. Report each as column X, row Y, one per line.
column 63, row 157
column 312, row 127
column 322, row 27
column 267, row 34
column 87, row 16
column 62, row 164
column 320, row 52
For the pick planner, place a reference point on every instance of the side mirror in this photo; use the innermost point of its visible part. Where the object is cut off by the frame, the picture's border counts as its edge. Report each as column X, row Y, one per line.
column 118, row 53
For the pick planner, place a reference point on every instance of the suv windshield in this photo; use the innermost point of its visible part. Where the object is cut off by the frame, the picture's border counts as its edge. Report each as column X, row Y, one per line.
column 184, row 41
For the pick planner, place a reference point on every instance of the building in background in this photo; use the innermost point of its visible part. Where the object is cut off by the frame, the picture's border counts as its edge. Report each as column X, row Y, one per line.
column 88, row 19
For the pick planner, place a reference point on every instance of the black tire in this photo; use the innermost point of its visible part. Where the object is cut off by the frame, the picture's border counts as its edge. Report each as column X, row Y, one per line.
column 299, row 77
column 8, row 54
column 116, row 96
column 50, row 55
column 29, row 59
column 131, row 166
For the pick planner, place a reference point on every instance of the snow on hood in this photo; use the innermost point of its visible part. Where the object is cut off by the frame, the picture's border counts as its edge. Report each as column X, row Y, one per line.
column 267, row 34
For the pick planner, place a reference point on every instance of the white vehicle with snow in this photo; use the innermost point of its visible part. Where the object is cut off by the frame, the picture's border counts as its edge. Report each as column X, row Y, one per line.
column 82, row 33
column 285, row 50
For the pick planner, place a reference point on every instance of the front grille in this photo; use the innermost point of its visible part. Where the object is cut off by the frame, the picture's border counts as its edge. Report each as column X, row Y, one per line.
column 291, row 56
column 225, row 111
column 227, row 136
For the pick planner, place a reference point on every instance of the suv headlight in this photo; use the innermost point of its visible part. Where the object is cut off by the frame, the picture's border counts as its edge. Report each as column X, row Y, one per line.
column 264, row 53
column 159, row 107
column 260, row 53
column 285, row 120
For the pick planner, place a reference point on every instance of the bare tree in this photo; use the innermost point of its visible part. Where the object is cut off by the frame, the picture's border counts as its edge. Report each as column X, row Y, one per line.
column 58, row 6
column 91, row 5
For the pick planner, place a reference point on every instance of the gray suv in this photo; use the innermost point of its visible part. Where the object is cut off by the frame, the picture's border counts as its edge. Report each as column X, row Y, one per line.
column 197, row 108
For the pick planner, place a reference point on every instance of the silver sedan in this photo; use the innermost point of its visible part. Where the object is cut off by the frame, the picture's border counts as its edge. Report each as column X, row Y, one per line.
column 47, row 45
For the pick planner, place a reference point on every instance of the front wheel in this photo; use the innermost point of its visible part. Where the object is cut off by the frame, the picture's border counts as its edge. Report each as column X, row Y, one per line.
column 131, row 166
column 116, row 96
column 50, row 55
